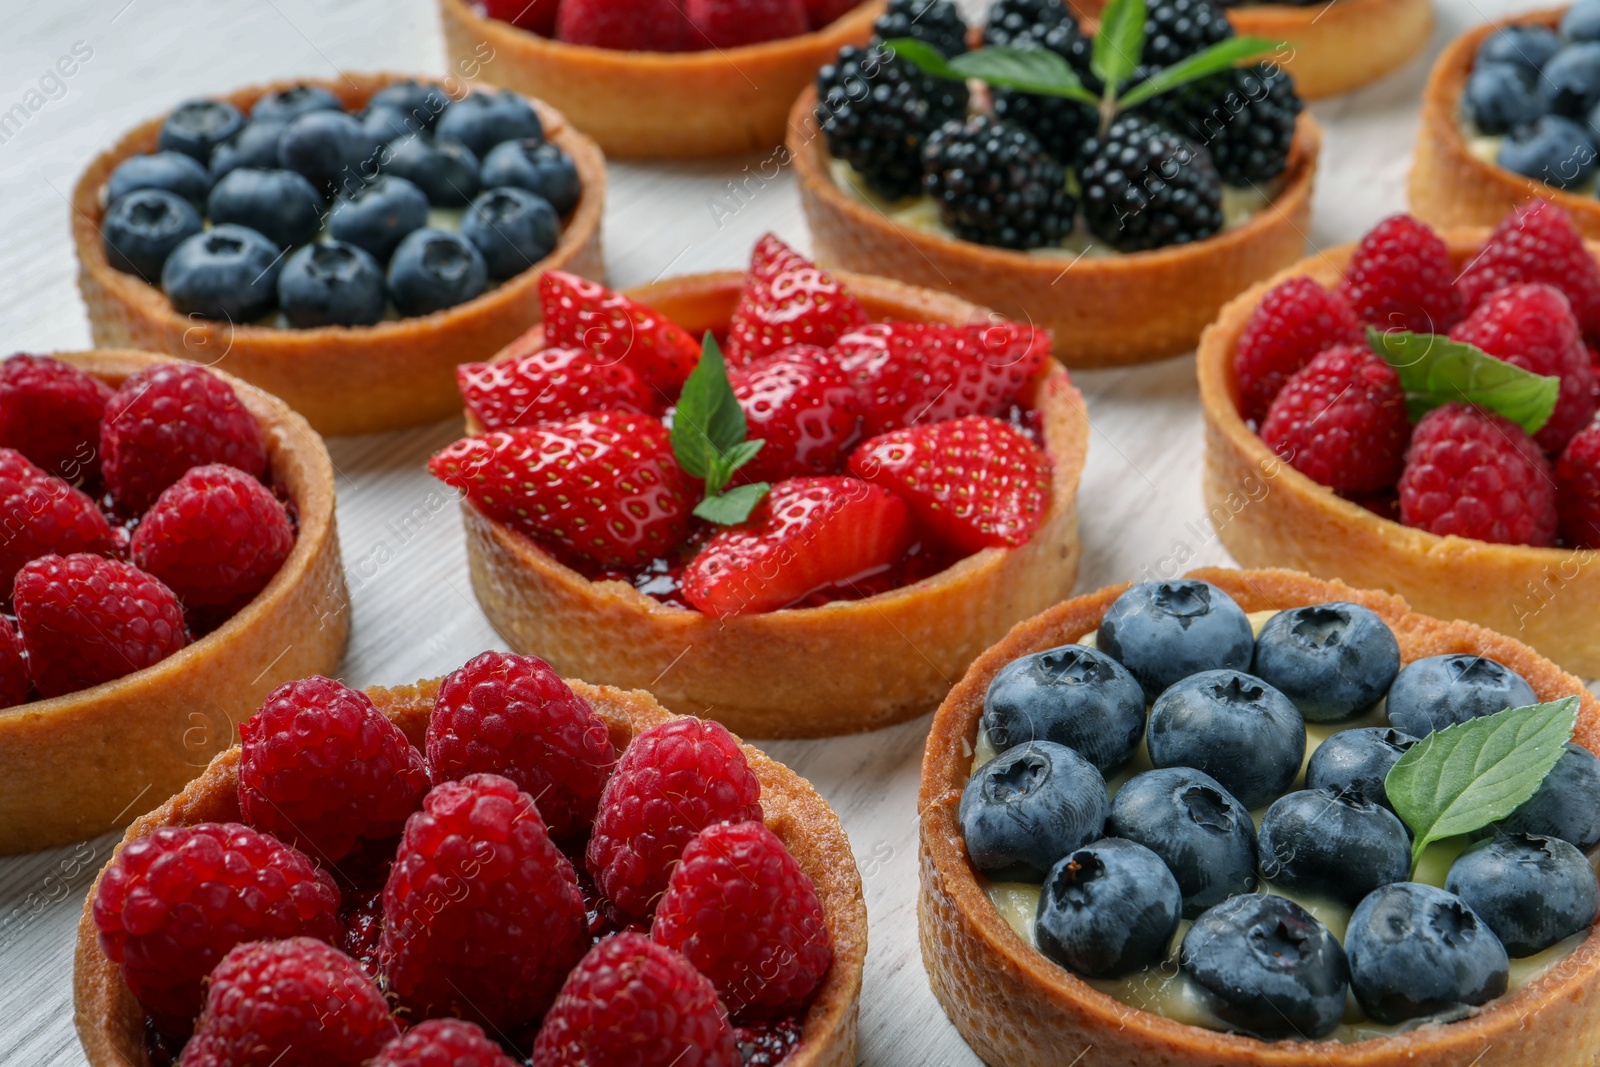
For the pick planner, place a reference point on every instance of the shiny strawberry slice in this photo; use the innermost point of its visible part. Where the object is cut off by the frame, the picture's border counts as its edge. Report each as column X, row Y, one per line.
column 788, row 300
column 600, row 490
column 802, row 405
column 808, row 534
column 976, row 482
column 549, row 385
column 579, row 313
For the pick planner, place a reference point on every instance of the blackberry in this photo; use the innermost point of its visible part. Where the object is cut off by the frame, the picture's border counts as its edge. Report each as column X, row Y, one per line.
column 876, row 111
column 1145, row 187
column 1061, row 125
column 996, row 185
column 1176, row 29
column 1244, row 117
column 935, row 22
column 1015, row 22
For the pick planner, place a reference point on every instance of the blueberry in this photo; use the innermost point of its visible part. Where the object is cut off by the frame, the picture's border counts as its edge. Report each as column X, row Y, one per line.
column 226, row 272
column 1203, row 835
column 1107, row 909
column 1030, row 806
column 195, row 127
column 1357, row 761
column 536, row 165
column 1582, row 21
column 1567, row 804
column 377, row 216
column 1417, row 950
column 482, row 120
column 1332, row 843
column 1165, row 631
column 1333, row 660
column 420, row 104
column 1570, row 81
column 435, row 269
column 331, row 284
column 1551, row 149
column 1500, row 97
column 445, row 170
column 387, row 125
column 143, row 227
column 278, row 203
column 256, row 145
column 1072, row 695
column 512, row 228
column 1430, row 694
column 1526, row 47
column 330, row 149
column 1531, row 891
column 1234, row 727
column 173, row 171
column 1267, row 967
column 288, row 104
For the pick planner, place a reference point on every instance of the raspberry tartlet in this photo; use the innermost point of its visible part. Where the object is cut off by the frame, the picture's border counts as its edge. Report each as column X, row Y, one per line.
column 424, row 882
column 379, row 230
column 653, row 103
column 907, row 491
column 1261, row 978
column 137, row 655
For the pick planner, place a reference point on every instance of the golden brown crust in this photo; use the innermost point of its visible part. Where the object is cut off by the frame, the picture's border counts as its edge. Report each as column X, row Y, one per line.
column 656, row 105
column 78, row 765
column 111, row 1025
column 1103, row 311
column 1270, row 515
column 1018, row 1009
column 344, row 380
column 846, row 667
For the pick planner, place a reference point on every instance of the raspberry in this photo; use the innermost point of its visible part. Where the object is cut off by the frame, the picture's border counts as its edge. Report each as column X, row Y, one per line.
column 632, row 1001
column 172, row 904
column 292, row 1003
column 742, row 911
column 1578, row 488
column 443, row 1043
column 1341, row 421
column 14, row 681
column 87, row 620
column 321, row 768
column 167, row 419
column 1474, row 474
column 1400, row 278
column 1295, row 320
column 42, row 515
column 1533, row 327
column 360, row 929
column 513, row 715
column 1537, row 243
column 672, row 782
column 50, row 411
column 482, row 917
column 216, row 537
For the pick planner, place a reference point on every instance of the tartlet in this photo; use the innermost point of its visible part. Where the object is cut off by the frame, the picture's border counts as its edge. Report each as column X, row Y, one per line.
column 844, row 667
column 110, row 1021
column 656, row 105
column 344, row 380
column 1102, row 311
column 1015, row 1007
column 1278, row 517
column 77, row 765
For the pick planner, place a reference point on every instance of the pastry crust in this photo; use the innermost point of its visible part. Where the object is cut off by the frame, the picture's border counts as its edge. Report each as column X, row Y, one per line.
column 1103, row 311
column 845, row 667
column 77, row 765
column 656, row 105
column 1270, row 515
column 344, row 380
column 111, row 1025
column 1449, row 185
column 1018, row 1009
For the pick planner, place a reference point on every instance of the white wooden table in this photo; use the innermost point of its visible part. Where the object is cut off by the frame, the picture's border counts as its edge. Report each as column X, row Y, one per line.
column 415, row 615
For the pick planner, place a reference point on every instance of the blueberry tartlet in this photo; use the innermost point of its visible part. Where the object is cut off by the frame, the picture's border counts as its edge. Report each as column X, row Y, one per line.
column 341, row 244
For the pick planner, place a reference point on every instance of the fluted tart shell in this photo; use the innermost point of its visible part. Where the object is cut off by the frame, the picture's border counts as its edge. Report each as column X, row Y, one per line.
column 343, row 379
column 1016, row 1008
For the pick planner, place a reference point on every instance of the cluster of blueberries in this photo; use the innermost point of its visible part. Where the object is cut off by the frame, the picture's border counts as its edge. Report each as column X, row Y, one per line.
column 325, row 214
column 1226, row 733
column 1540, row 89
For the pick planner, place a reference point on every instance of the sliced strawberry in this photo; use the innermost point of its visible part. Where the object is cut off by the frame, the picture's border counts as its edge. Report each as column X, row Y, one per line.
column 579, row 313
column 976, row 482
column 802, row 405
column 550, row 385
column 808, row 534
column 788, row 300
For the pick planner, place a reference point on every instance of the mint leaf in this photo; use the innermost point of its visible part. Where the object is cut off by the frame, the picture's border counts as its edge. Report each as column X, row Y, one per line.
column 708, row 421
column 734, row 506
column 924, row 57
column 1464, row 777
column 1214, row 60
column 1031, row 70
column 1435, row 371
column 1119, row 43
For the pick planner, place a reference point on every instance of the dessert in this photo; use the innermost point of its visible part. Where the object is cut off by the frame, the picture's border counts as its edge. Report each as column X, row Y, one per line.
column 1077, row 210
column 424, row 866
column 366, row 235
column 1400, row 459
column 170, row 557
column 620, row 77
column 915, row 481
column 1303, row 939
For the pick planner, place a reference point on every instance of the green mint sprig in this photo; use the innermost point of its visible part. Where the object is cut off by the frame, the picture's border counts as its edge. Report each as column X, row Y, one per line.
column 1435, row 371
column 708, row 438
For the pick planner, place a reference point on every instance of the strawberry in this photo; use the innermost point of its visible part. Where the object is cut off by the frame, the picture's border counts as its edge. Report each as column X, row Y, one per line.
column 548, row 385
column 579, row 313
column 624, row 25
column 788, row 300
column 802, row 405
column 600, row 490
column 808, row 534
column 731, row 23
column 976, row 482
column 535, row 16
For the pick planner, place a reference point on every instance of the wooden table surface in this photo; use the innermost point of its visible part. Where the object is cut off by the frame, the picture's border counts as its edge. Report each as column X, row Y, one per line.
column 414, row 613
